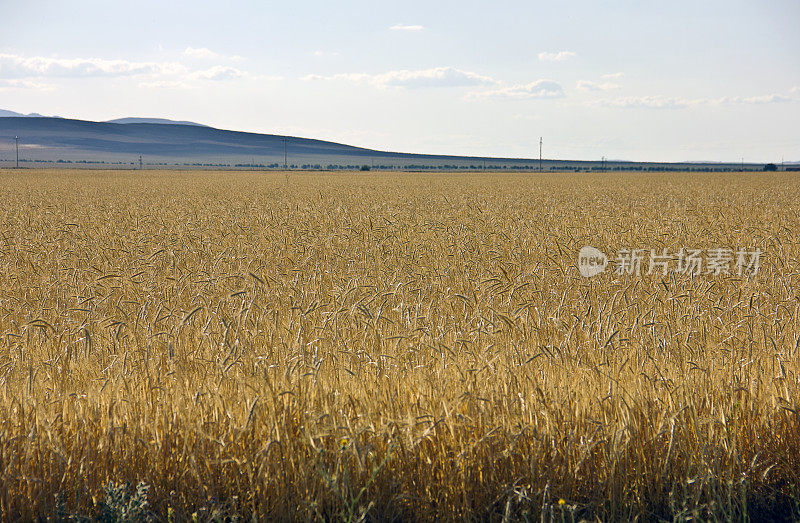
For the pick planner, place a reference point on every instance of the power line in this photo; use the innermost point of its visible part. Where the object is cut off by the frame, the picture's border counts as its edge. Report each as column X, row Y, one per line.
column 16, row 138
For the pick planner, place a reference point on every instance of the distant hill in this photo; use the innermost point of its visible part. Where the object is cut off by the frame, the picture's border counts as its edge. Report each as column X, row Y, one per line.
column 167, row 143
column 62, row 137
column 4, row 113
column 153, row 120
column 9, row 114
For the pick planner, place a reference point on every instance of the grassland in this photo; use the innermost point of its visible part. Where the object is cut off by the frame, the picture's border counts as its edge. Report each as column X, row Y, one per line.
column 395, row 346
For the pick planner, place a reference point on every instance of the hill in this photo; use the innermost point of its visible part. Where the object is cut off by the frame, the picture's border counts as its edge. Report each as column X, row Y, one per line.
column 154, row 120
column 12, row 114
column 167, row 143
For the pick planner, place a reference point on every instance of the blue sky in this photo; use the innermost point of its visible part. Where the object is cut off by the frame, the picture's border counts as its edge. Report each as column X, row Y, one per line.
column 636, row 80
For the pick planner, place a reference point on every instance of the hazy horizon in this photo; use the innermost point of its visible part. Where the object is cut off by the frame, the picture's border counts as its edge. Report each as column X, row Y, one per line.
column 683, row 82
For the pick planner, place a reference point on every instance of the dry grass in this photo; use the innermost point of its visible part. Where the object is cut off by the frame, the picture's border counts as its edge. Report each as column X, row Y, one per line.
column 401, row 346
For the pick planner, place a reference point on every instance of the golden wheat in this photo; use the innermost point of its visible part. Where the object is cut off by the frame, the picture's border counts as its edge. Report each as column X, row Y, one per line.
column 395, row 346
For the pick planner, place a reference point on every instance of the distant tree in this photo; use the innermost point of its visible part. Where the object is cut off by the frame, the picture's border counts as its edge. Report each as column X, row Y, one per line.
column 365, row 167
column 770, row 167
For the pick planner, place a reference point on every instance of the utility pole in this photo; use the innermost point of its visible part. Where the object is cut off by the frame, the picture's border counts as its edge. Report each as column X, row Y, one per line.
column 285, row 162
column 16, row 138
column 540, row 154
column 140, row 162
column 742, row 164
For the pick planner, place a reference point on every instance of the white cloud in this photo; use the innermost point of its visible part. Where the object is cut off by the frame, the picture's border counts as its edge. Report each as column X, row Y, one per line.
column 533, row 90
column 26, row 72
column 40, row 66
column 649, row 102
column 763, row 99
column 204, row 53
column 436, row 77
column 663, row 102
column 320, row 53
column 612, row 76
column 404, row 27
column 201, row 52
column 356, row 78
column 451, row 77
column 18, row 83
column 218, row 72
column 588, row 85
column 544, row 56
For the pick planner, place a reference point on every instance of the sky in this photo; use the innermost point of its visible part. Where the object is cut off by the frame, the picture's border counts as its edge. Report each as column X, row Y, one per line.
column 631, row 80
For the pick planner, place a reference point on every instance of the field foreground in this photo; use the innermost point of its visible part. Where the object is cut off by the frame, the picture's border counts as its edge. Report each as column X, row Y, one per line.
column 395, row 346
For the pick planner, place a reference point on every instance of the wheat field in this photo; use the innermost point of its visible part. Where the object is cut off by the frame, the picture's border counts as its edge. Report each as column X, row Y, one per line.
column 394, row 346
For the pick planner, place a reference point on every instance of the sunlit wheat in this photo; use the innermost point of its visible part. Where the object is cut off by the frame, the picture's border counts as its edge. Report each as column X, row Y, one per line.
column 400, row 346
